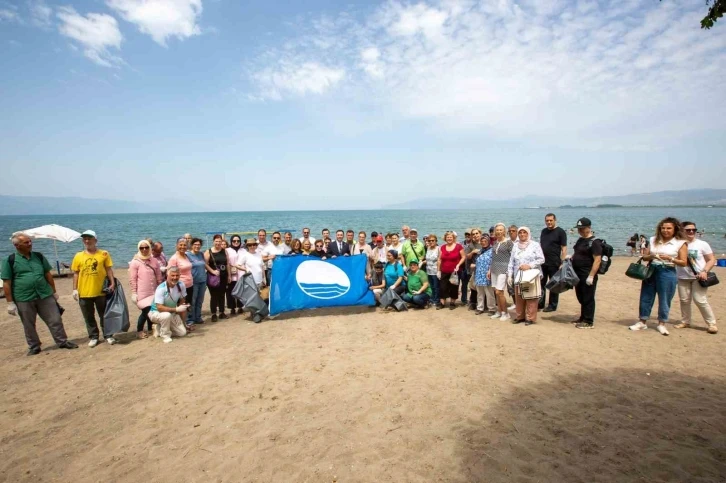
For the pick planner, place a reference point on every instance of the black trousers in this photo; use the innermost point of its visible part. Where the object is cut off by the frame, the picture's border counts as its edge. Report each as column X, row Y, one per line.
column 232, row 303
column 547, row 272
column 586, row 296
column 216, row 298
column 89, row 307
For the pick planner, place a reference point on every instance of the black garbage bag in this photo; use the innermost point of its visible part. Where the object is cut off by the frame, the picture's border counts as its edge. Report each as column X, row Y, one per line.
column 116, row 316
column 392, row 299
column 246, row 291
column 564, row 280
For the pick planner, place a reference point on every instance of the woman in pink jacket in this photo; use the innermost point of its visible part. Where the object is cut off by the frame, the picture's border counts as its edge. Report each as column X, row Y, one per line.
column 182, row 261
column 144, row 276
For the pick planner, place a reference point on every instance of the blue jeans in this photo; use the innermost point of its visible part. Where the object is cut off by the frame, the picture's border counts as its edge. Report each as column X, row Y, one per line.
column 434, row 284
column 419, row 300
column 195, row 311
column 663, row 283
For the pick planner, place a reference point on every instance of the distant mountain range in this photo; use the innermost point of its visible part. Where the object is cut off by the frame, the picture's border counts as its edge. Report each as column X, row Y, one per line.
column 695, row 197
column 46, row 205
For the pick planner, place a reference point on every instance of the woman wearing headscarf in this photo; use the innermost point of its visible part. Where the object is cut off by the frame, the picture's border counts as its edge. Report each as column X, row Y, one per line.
column 216, row 259
column 184, row 264
column 144, row 276
column 451, row 258
column 233, row 252
column 668, row 250
column 482, row 280
column 501, row 253
column 526, row 255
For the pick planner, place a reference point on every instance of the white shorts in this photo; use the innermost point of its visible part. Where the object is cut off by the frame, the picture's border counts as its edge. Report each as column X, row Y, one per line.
column 499, row 282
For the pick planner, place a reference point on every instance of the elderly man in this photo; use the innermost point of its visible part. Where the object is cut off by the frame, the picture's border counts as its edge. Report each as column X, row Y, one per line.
column 30, row 291
column 405, row 233
column 169, row 308
column 90, row 268
column 412, row 249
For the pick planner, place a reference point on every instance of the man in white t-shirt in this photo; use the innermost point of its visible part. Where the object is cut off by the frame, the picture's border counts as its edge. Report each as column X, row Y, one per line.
column 276, row 248
column 169, row 308
column 306, row 236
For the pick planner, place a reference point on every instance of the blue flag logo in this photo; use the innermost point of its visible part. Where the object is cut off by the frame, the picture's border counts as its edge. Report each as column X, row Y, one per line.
column 300, row 282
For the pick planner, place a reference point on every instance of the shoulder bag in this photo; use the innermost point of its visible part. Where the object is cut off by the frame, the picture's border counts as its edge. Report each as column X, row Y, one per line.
column 711, row 278
column 212, row 280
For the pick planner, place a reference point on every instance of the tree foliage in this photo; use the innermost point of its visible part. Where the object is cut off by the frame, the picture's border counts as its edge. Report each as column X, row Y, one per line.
column 716, row 10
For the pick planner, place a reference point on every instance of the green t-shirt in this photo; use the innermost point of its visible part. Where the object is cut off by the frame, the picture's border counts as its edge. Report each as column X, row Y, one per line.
column 28, row 282
column 413, row 252
column 416, row 281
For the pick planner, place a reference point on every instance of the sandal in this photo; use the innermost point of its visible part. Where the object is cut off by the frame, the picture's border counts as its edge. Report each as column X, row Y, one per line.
column 682, row 325
column 190, row 328
column 142, row 335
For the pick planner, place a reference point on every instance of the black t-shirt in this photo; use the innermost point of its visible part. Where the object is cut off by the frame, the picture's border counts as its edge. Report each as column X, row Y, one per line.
column 552, row 242
column 585, row 251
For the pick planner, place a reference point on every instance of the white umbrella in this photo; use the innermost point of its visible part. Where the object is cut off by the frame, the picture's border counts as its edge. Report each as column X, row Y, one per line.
column 52, row 232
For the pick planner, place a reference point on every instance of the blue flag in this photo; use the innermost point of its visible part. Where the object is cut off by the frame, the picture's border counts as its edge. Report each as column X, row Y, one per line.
column 300, row 282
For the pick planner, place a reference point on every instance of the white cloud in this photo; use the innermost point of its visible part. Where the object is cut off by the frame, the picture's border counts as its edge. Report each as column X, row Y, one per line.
column 629, row 74
column 7, row 15
column 297, row 79
column 96, row 33
column 161, row 19
column 40, row 13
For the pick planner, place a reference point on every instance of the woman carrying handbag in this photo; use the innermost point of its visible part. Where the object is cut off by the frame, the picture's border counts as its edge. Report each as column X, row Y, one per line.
column 693, row 277
column 217, row 277
column 527, row 258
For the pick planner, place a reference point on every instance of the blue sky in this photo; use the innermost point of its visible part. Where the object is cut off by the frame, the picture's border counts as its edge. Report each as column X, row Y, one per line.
column 323, row 104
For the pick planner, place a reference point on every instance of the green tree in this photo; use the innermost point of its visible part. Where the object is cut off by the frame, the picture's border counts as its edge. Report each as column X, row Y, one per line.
column 716, row 10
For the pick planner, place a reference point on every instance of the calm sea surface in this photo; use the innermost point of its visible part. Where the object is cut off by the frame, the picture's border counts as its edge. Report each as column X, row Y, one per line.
column 120, row 233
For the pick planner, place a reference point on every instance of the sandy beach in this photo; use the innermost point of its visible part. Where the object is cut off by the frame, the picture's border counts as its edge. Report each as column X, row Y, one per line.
column 358, row 395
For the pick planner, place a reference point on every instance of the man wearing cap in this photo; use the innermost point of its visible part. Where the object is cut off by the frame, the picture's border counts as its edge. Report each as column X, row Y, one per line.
column 418, row 291
column 586, row 262
column 553, row 241
column 30, row 291
column 374, row 235
column 412, row 249
column 90, row 268
column 379, row 251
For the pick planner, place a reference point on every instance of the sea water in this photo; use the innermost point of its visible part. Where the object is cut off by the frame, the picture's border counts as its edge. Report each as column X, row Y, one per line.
column 120, row 233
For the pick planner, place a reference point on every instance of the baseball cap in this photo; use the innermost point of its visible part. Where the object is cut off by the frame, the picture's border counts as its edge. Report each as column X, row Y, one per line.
column 413, row 230
column 379, row 238
column 374, row 234
column 583, row 222
column 90, row 233
column 413, row 262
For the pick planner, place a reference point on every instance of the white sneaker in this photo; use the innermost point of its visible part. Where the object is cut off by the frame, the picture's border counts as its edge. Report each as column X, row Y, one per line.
column 93, row 343
column 155, row 331
column 640, row 325
column 662, row 329
column 505, row 317
column 110, row 341
column 512, row 307
column 495, row 315
column 166, row 340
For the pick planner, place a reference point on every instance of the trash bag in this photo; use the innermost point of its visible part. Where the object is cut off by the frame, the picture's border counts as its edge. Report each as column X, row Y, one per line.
column 116, row 316
column 564, row 280
column 246, row 291
column 392, row 299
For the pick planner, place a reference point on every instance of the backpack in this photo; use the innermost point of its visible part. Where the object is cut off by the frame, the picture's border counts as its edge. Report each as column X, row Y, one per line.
column 11, row 262
column 607, row 256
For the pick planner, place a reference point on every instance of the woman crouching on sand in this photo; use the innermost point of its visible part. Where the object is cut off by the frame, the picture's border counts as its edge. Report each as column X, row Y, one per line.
column 667, row 251
column 526, row 255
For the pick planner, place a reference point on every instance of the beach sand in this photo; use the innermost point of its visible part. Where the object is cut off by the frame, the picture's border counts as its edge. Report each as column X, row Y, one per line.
column 359, row 394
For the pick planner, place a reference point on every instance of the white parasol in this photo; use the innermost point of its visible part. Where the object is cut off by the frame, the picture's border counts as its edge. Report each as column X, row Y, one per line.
column 52, row 232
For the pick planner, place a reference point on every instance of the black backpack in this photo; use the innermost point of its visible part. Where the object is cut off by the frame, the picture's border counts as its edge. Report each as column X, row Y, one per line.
column 607, row 256
column 11, row 262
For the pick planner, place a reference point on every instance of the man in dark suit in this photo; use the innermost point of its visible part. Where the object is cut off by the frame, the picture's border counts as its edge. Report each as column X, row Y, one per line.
column 339, row 247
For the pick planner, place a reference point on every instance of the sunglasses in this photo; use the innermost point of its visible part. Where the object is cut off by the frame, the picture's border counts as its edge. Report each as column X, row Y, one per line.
column 275, row 237
column 236, row 241
column 252, row 244
column 306, row 233
column 318, row 246
column 690, row 230
column 144, row 248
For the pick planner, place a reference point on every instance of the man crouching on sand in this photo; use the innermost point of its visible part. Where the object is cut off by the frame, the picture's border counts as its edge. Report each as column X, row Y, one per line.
column 169, row 307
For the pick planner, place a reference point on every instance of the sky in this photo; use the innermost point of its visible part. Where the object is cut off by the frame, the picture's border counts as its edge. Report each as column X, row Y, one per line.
column 321, row 104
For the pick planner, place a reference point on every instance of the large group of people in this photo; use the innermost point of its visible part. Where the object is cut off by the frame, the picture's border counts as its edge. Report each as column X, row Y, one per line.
column 482, row 272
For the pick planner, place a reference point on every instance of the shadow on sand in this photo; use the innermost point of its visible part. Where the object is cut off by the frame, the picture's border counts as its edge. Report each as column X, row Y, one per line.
column 623, row 426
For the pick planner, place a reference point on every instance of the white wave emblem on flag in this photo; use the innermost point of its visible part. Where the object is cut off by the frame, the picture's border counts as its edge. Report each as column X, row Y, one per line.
column 322, row 280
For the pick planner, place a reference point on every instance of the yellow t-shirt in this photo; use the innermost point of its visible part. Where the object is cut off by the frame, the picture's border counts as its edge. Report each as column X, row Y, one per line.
column 91, row 272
